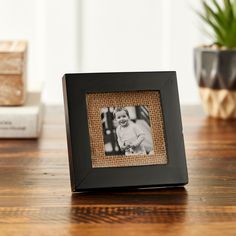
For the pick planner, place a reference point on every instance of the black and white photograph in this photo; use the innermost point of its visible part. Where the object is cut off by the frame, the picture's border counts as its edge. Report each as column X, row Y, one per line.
column 127, row 131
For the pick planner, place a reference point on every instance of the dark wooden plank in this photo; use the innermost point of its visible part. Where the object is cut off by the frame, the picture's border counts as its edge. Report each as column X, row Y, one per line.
column 35, row 196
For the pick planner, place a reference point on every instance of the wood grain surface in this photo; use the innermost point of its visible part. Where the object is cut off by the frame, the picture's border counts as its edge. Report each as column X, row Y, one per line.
column 35, row 196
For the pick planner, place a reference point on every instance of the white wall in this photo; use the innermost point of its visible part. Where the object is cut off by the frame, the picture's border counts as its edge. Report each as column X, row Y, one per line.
column 52, row 30
column 136, row 35
column 105, row 35
column 121, row 35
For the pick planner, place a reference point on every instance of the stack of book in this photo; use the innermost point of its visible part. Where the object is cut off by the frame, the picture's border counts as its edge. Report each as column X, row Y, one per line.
column 21, row 109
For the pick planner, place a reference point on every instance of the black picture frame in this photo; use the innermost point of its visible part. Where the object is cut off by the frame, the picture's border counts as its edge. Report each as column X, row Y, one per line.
column 83, row 176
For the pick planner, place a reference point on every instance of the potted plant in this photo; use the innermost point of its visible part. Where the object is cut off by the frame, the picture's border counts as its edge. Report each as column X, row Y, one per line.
column 215, row 64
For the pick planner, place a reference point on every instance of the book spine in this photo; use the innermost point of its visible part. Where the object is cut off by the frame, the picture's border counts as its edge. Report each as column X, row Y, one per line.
column 21, row 125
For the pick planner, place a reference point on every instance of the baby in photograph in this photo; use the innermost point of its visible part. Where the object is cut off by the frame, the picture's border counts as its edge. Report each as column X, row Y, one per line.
column 129, row 135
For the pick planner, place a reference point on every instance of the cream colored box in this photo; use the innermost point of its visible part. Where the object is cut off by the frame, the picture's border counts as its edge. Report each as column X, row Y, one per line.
column 12, row 72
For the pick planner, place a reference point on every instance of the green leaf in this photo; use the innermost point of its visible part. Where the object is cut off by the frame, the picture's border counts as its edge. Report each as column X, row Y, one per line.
column 215, row 28
column 228, row 11
column 216, row 4
column 234, row 7
column 211, row 14
column 221, row 19
column 231, row 39
column 220, row 12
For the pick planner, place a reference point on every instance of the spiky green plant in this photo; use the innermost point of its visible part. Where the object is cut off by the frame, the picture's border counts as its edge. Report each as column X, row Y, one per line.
column 220, row 16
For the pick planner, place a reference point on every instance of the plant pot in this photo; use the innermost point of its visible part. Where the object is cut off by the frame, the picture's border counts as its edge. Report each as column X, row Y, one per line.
column 215, row 71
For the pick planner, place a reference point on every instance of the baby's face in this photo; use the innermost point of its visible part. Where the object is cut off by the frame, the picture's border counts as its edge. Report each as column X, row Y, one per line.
column 122, row 118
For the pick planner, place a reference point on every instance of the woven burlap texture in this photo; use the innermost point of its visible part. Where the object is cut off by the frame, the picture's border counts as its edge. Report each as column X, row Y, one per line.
column 151, row 99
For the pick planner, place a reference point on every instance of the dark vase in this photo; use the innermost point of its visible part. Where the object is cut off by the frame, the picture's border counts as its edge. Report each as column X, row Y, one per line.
column 215, row 72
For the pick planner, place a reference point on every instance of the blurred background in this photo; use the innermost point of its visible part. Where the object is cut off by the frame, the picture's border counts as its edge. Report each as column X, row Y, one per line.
column 137, row 114
column 107, row 35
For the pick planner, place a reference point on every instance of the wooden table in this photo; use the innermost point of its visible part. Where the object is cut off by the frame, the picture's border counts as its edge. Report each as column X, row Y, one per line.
column 35, row 196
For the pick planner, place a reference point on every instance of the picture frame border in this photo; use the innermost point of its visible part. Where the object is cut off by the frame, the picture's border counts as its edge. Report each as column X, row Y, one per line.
column 96, row 101
column 83, row 177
